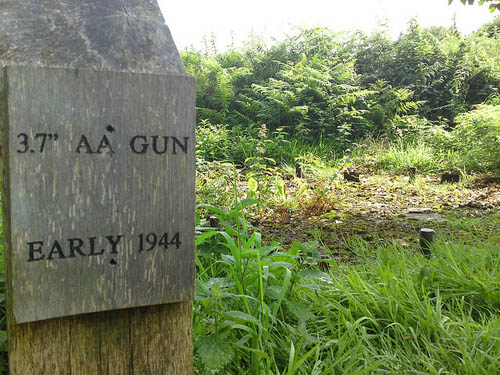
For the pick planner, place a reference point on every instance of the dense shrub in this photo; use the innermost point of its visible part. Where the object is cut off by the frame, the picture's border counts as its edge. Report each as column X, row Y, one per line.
column 213, row 141
column 477, row 137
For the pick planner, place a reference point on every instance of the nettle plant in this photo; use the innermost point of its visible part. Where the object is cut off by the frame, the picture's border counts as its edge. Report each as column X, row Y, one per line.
column 245, row 293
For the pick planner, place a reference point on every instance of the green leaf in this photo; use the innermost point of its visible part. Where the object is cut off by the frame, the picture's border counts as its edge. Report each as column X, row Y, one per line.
column 201, row 291
column 200, row 239
column 228, row 259
column 315, row 275
column 255, row 237
column 240, row 316
column 300, row 310
column 318, row 368
column 273, row 292
column 296, row 248
column 284, row 290
column 214, row 354
column 231, row 245
column 228, row 227
column 253, row 185
column 246, row 202
column 217, row 210
column 304, row 358
column 284, row 257
column 291, row 359
column 242, row 327
column 279, row 265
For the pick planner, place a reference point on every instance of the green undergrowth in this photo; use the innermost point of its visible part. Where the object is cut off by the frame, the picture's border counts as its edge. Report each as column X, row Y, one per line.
column 218, row 142
column 264, row 309
column 397, row 156
column 472, row 225
column 473, row 145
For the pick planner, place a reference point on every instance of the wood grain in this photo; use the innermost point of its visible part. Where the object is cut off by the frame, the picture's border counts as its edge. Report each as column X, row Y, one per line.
column 81, row 209
column 150, row 340
column 59, row 194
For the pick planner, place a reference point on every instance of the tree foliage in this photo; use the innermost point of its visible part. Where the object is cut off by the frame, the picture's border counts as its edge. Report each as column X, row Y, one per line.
column 495, row 5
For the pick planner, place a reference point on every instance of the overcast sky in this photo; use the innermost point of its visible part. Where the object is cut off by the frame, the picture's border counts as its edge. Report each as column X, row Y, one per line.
column 190, row 20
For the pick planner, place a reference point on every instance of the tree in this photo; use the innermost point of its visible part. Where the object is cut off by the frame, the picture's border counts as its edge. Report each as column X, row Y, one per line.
column 495, row 5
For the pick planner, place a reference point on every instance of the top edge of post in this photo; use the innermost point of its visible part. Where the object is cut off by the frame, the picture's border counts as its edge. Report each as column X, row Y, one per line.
column 116, row 35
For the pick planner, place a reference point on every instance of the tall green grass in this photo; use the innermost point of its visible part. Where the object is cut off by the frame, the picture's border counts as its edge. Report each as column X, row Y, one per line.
column 262, row 310
column 399, row 155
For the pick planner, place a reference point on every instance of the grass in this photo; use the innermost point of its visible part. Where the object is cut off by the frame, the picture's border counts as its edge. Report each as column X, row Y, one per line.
column 260, row 310
column 471, row 224
column 218, row 142
column 275, row 307
column 397, row 156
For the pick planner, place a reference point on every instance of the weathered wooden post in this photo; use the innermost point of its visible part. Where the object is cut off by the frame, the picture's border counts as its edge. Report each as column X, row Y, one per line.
column 298, row 170
column 97, row 142
column 426, row 239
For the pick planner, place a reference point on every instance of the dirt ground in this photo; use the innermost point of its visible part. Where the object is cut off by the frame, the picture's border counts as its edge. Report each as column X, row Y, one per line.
column 386, row 208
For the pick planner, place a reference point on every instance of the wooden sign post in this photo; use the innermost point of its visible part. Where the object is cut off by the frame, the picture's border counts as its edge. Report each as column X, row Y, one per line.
column 97, row 144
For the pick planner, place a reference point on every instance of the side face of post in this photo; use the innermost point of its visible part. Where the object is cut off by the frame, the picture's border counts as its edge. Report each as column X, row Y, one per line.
column 97, row 144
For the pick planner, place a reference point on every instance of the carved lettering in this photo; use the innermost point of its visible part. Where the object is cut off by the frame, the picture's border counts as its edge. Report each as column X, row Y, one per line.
column 139, row 144
column 84, row 143
column 143, row 145
column 92, row 247
column 114, row 243
column 183, row 147
column 56, row 249
column 35, row 247
column 36, row 143
column 105, row 144
column 77, row 247
column 155, row 144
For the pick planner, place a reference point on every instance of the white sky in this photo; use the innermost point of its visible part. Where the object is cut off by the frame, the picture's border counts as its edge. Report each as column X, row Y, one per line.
column 190, row 20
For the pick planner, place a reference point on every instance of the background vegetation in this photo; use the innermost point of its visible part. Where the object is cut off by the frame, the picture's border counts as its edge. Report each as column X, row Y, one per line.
column 302, row 272
column 320, row 87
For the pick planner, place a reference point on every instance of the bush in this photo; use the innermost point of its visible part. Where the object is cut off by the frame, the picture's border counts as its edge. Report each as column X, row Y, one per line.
column 212, row 141
column 477, row 137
